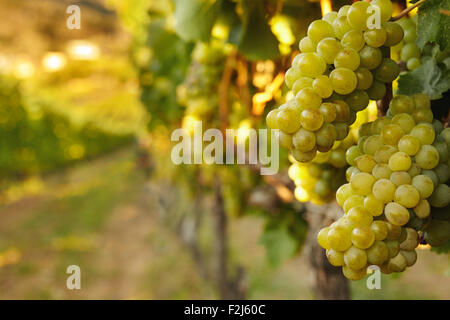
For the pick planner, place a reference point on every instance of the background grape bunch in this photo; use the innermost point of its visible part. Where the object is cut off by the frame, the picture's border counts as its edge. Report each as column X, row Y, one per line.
column 399, row 170
column 342, row 65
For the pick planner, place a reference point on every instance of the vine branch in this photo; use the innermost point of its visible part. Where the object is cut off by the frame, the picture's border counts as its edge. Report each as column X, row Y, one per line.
column 407, row 10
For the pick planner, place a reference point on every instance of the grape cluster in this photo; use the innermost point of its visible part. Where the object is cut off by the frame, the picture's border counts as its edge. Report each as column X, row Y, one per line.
column 198, row 93
column 398, row 170
column 342, row 65
column 407, row 50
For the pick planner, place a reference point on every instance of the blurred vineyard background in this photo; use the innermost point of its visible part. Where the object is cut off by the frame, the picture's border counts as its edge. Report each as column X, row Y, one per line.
column 85, row 171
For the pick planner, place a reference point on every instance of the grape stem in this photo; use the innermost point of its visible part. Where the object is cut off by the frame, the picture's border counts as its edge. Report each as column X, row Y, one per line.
column 407, row 10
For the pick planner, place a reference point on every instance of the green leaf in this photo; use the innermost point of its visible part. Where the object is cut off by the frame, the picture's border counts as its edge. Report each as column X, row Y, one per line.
column 433, row 26
column 442, row 249
column 257, row 40
column 279, row 244
column 194, row 19
column 429, row 78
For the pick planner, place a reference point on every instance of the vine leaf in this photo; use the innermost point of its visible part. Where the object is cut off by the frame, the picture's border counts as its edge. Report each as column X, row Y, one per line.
column 433, row 26
column 257, row 41
column 194, row 19
column 429, row 78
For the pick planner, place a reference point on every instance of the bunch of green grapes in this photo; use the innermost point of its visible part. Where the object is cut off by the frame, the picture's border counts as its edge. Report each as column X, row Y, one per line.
column 199, row 90
column 342, row 65
column 318, row 180
column 408, row 51
column 398, row 171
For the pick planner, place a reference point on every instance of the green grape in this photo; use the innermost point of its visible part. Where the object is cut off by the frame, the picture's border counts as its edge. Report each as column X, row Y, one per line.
column 285, row 140
column 394, row 231
column 405, row 121
column 441, row 196
column 308, row 98
column 347, row 58
column 339, row 238
column 409, row 50
column 384, row 190
column 292, row 74
column 438, row 126
column 407, row 196
column 377, row 90
column 432, row 175
column 311, row 119
column 311, row 64
column 414, row 170
column 394, row 34
column 342, row 111
column 352, row 202
column 271, row 119
column 397, row 263
column 387, row 71
column 411, row 241
column 362, row 237
column 343, row 193
column 437, row 232
column 326, row 135
column 322, row 188
column 343, row 11
column 353, row 39
column 391, row 134
column 301, row 156
column 301, row 83
column 357, row 100
column 352, row 153
column 401, row 104
column 393, row 247
column 320, row 29
column 322, row 86
column 410, row 257
column 328, row 111
column 399, row 161
column 370, row 57
column 328, row 48
column 352, row 274
column 410, row 36
column 336, row 258
column 378, row 124
column 304, row 140
column 375, row 37
column 377, row 253
column 422, row 210
column 443, row 172
column 288, row 120
column 322, row 238
column 365, row 129
column 396, row 214
column 372, row 144
column 400, row 178
column 413, row 63
column 365, row 163
column 409, row 145
column 330, row 16
column 359, row 216
column 350, row 172
column 381, row 171
column 421, row 101
column 362, row 183
column 341, row 131
column 423, row 132
column 379, row 229
column 306, row 45
column 443, row 151
column 357, row 15
column 385, row 7
column 423, row 115
column 343, row 80
column 365, row 78
column 341, row 27
column 427, row 157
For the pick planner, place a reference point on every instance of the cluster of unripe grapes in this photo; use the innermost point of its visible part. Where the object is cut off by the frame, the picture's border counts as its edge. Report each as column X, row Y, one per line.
column 198, row 93
column 399, row 170
column 342, row 65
